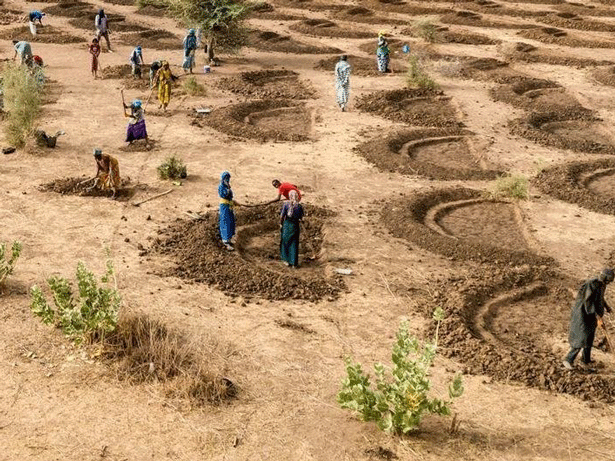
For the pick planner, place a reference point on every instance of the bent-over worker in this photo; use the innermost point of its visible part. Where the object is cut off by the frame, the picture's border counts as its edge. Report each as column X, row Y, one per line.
column 107, row 172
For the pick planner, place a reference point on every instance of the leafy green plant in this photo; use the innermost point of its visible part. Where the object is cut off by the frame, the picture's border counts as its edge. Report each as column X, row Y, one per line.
column 7, row 263
column 172, row 168
column 22, row 100
column 194, row 88
column 426, row 29
column 515, row 186
column 416, row 75
column 84, row 315
column 398, row 402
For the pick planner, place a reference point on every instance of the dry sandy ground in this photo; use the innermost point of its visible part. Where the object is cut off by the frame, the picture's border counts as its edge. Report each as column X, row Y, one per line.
column 57, row 404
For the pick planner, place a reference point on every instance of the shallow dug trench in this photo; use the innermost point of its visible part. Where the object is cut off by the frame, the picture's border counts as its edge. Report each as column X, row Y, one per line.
column 470, row 18
column 154, row 39
column 568, row 128
column 444, row 154
column 272, row 41
column 254, row 268
column 488, row 69
column 268, row 84
column 572, row 21
column 326, row 28
column 414, row 106
column 587, row 184
column 364, row 67
column 556, row 36
column 529, row 53
column 511, row 324
column 535, row 94
column 45, row 34
column 265, row 120
column 463, row 225
column 361, row 14
column 77, row 186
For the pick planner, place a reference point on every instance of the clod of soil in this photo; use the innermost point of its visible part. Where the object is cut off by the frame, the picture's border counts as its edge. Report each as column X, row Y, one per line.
column 196, row 248
column 45, row 34
column 407, row 218
column 272, row 41
column 325, row 28
column 154, row 39
column 269, row 119
column 569, row 129
column 268, row 84
column 536, row 94
column 587, row 184
column 364, row 67
column 420, row 107
column 556, row 36
column 77, row 186
column 444, row 154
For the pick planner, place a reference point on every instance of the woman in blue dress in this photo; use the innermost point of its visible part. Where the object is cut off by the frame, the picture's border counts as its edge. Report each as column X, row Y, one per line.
column 290, row 222
column 226, row 214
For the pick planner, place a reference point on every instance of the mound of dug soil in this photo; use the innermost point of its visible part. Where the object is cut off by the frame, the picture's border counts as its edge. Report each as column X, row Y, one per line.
column 196, row 248
column 556, row 36
column 8, row 16
column 119, row 25
column 572, row 21
column 364, row 67
column 584, row 9
column 266, row 120
column 268, row 84
column 588, row 184
column 151, row 10
column 266, row 10
column 529, row 53
column 420, row 107
column 470, row 18
column 489, row 7
column 493, row 349
column 536, row 94
column 80, row 186
column 433, row 153
column 443, row 35
column 46, row 34
column 123, row 72
column 569, row 129
column 488, row 69
column 461, row 225
column 154, row 39
column 272, row 41
column 361, row 14
column 605, row 75
column 72, row 9
column 326, row 28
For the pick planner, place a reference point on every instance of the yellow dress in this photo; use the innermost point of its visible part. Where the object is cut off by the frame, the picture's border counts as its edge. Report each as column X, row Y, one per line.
column 164, row 86
column 111, row 178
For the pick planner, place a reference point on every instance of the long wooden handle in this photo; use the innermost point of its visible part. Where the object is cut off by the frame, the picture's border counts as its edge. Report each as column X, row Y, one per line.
column 153, row 197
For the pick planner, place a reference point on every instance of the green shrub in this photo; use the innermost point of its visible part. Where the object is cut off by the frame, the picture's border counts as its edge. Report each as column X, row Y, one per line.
column 397, row 403
column 22, row 102
column 514, row 186
column 194, row 88
column 425, row 29
column 172, row 168
column 416, row 75
column 85, row 315
column 7, row 263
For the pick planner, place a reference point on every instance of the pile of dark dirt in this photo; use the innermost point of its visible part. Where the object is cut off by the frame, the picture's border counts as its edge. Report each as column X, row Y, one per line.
column 414, row 106
column 554, row 36
column 481, row 241
column 444, row 35
column 524, row 359
column 119, row 25
column 272, row 41
column 535, row 95
column 154, row 39
column 571, row 129
column 582, row 183
column 489, row 7
column 196, row 248
column 268, row 84
column 529, row 53
column 409, row 8
column 72, row 9
column 585, row 9
column 361, row 14
column 266, row 10
column 470, row 18
column 123, row 72
column 46, row 34
column 363, row 67
column 572, row 21
column 266, row 120
column 443, row 154
column 488, row 69
column 80, row 186
column 604, row 75
column 151, row 10
column 326, row 28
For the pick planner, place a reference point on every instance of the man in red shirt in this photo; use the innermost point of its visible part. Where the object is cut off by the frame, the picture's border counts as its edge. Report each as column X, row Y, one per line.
column 283, row 189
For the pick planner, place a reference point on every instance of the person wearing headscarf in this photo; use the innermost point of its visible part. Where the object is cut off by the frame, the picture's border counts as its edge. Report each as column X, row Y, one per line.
column 586, row 315
column 163, row 78
column 290, row 225
column 102, row 27
column 24, row 51
column 136, row 126
column 94, row 49
column 33, row 17
column 190, row 45
column 153, row 70
column 342, row 81
column 136, row 59
column 382, row 53
column 226, row 215
column 107, row 172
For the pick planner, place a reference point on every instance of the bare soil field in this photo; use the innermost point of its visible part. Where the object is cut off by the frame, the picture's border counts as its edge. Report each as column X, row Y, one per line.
column 404, row 212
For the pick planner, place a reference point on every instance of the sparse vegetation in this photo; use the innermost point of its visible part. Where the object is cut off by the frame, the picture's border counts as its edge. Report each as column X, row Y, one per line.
column 8, row 261
column 426, row 29
column 416, row 77
column 398, row 403
column 194, row 88
column 515, row 186
column 172, row 168
column 22, row 100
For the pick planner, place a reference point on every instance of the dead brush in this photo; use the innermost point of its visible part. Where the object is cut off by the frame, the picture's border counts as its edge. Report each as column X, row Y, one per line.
column 145, row 350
